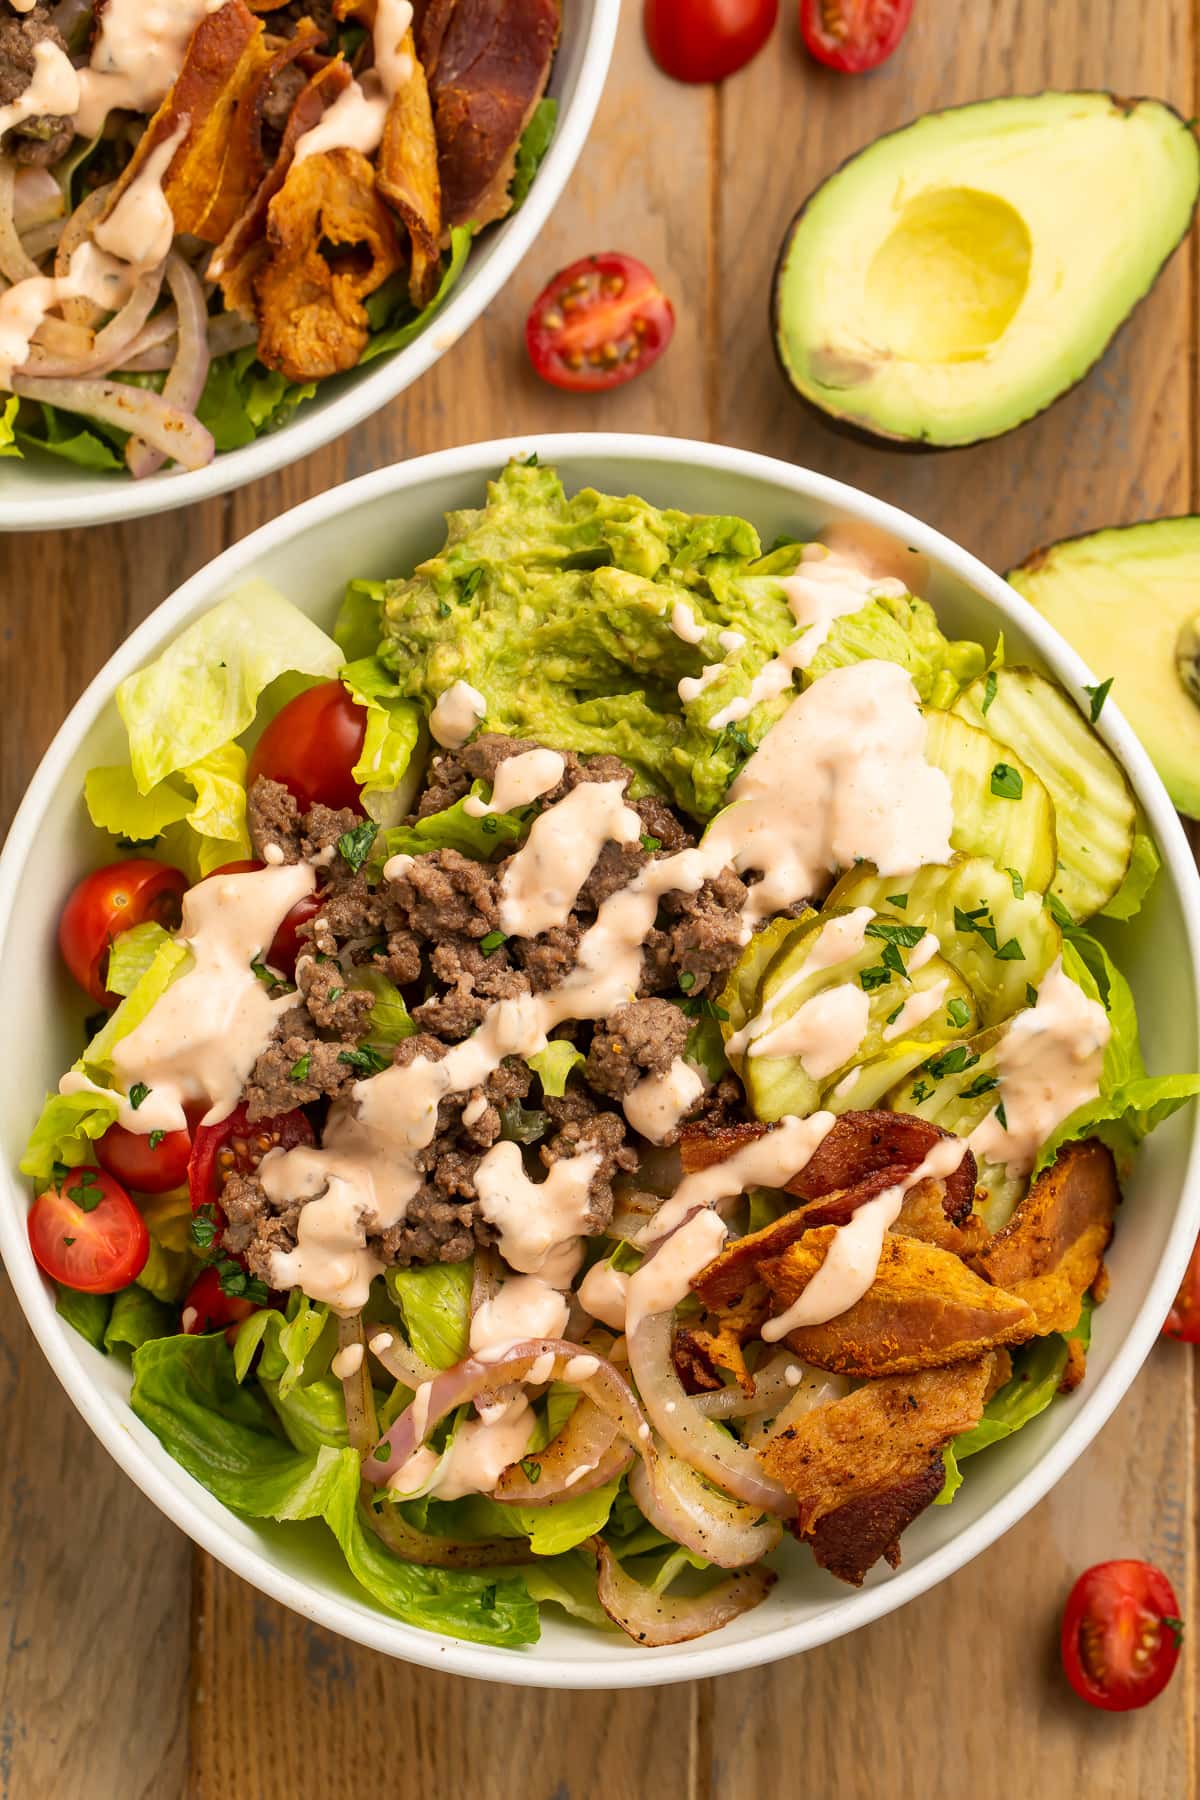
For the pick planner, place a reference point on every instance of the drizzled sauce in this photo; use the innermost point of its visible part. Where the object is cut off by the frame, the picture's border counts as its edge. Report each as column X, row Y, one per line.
column 53, row 91
column 535, row 1220
column 139, row 50
column 824, row 1032
column 520, row 780
column 457, row 712
column 140, row 228
column 357, row 117
column 523, row 1307
column 833, row 942
column 658, row 1102
column 664, row 1278
column 541, row 884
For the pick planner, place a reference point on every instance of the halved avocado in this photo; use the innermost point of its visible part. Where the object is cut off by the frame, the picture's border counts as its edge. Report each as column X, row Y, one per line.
column 1128, row 599
column 955, row 277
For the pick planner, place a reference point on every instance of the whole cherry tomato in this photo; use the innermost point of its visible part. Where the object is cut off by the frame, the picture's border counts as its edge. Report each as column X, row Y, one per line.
column 285, row 945
column 311, row 746
column 599, row 323
column 853, row 35
column 106, row 903
column 87, row 1234
column 707, row 40
column 1121, row 1633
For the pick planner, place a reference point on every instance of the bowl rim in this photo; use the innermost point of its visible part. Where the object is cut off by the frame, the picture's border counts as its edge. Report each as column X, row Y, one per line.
column 173, row 1490
column 115, row 500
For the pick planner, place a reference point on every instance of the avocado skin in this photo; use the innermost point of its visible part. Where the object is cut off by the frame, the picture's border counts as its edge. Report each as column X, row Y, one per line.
column 855, row 429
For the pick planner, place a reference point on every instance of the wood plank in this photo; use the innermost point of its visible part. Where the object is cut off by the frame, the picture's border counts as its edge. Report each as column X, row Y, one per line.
column 94, row 1582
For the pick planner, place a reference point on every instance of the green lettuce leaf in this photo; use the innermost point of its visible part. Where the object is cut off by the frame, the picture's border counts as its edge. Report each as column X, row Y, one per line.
column 136, row 1318
column 219, row 815
column 452, row 829
column 185, row 1391
column 115, row 805
column 168, row 962
column 1122, row 1118
column 65, row 1131
column 390, row 1021
column 85, row 443
column 551, row 1530
column 313, row 1414
column 88, row 1314
column 242, row 399
column 8, row 443
column 1140, row 876
column 166, row 1273
column 388, row 335
column 535, row 141
column 294, row 1346
column 435, row 1304
column 132, row 953
column 554, row 1064
column 359, row 623
column 392, row 735
column 202, row 692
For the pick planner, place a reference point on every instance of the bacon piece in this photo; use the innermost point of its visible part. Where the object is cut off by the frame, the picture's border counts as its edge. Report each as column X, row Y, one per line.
column 924, row 1310
column 241, row 253
column 695, row 1363
column 332, row 243
column 858, row 1147
column 214, row 171
column 490, row 60
column 408, row 177
column 863, row 1467
column 1051, row 1250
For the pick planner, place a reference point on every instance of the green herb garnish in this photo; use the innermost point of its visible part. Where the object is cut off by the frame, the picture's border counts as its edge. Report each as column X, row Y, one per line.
column 366, row 1059
column 492, row 941
column 299, row 1069
column 86, row 1192
column 989, row 691
column 982, row 1084
column 1098, row 695
column 137, row 1094
column 204, row 1226
column 1006, row 782
column 900, row 901
column 354, row 847
column 907, row 935
column 1018, row 883
column 156, row 1138
column 958, row 1013
column 951, row 1062
column 650, row 844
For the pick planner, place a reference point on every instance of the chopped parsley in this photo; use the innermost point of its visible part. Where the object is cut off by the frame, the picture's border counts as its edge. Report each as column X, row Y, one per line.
column 650, row 844
column 156, row 1138
column 354, row 847
column 958, row 1012
column 86, row 1192
column 1006, row 782
column 951, row 1062
column 489, row 824
column 366, row 1059
column 1018, row 883
column 492, row 941
column 239, row 1283
column 382, row 1452
column 687, row 981
column 1011, row 951
column 59, row 1171
column 736, row 738
column 900, row 901
column 893, row 962
column 1057, row 910
column 921, row 1091
column 876, row 977
column 703, row 1008
column 894, row 1014
column 980, row 921
column 989, row 691
column 1098, row 695
column 1002, row 1115
column 531, row 1470
column 204, row 1226
column 443, row 609
column 519, row 1125
column 137, row 1094
column 299, row 1069
column 907, row 935
column 471, row 581
column 982, row 1084
column 1030, row 994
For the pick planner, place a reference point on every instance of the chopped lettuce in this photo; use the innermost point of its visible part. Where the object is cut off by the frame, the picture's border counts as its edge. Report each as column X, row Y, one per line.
column 203, row 829
column 392, row 331
column 554, row 1064
column 136, row 1318
column 452, row 829
column 88, row 1314
column 312, row 1413
column 535, row 141
column 185, row 1391
column 388, row 770
column 8, row 444
column 435, row 1304
column 166, row 1273
column 242, row 399
column 551, row 1530
column 65, row 1131
column 296, row 1345
column 359, row 624
column 390, row 1021
column 168, row 961
column 115, row 805
column 1144, row 864
column 203, row 691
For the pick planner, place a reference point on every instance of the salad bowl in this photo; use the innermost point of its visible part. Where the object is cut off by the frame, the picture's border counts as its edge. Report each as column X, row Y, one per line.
column 42, row 492
column 393, row 519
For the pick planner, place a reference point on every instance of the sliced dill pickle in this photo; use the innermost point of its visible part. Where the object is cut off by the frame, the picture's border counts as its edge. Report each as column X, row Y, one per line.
column 1007, row 816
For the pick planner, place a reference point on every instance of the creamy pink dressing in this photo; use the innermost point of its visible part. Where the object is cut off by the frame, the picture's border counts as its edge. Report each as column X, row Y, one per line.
column 852, row 1258
column 658, row 1102
column 53, row 90
column 520, row 780
column 685, row 624
column 919, row 1006
column 140, row 228
column 357, row 117
column 690, row 687
column 22, row 309
column 604, row 1294
column 1049, row 1061
column 139, row 50
column 476, row 1456
column 522, row 1307
column 535, row 1219
column 767, row 1161
column 833, row 942
column 664, row 1279
column 824, row 1032
column 541, row 884
column 457, row 711
column 200, row 1041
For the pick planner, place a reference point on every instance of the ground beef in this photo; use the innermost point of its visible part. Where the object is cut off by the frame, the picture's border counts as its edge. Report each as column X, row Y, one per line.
column 282, row 93
column 474, row 979
column 298, row 1067
column 705, row 931
column 334, row 1007
column 548, row 959
column 38, row 141
column 433, row 1230
column 445, row 894
column 273, row 818
column 641, row 1038
column 583, row 1127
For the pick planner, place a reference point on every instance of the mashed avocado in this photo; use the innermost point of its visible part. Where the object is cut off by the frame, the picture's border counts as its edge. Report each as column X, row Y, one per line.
column 575, row 619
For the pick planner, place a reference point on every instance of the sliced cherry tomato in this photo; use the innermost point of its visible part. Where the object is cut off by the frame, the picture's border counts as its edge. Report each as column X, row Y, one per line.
column 1121, row 1633
column 237, row 1147
column 853, row 35
column 599, row 323
column 106, row 903
column 148, row 1168
column 706, row 40
column 1183, row 1320
column 311, row 747
column 285, row 945
column 207, row 1307
column 87, row 1233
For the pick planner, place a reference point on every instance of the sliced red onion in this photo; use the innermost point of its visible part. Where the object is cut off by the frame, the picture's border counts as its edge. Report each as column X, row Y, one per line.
column 185, row 384
column 657, row 1619
column 16, row 264
column 61, row 338
column 109, row 345
column 698, row 1440
column 89, row 212
column 414, row 1546
column 37, row 199
column 156, row 338
column 135, row 410
column 771, row 1390
column 587, row 1452
column 38, row 239
column 229, row 331
column 362, row 1426
column 398, row 1359
column 684, row 1507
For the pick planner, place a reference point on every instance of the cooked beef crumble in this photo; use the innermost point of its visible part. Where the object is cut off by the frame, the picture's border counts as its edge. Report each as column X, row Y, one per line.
column 434, row 930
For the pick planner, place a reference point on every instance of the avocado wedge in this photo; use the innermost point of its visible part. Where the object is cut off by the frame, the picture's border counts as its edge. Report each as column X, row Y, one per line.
column 1128, row 599
column 955, row 277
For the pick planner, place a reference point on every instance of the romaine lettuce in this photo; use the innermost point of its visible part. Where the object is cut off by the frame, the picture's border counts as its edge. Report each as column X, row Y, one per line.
column 388, row 770
column 435, row 1303
column 554, row 1064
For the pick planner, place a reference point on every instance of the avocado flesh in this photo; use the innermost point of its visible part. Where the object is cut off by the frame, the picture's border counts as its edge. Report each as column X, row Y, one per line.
column 957, row 276
column 1128, row 599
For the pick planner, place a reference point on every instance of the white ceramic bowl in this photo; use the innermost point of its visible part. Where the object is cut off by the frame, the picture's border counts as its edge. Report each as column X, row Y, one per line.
column 391, row 519
column 42, row 492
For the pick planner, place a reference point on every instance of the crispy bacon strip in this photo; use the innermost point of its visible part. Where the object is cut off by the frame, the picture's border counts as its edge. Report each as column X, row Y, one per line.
column 408, row 177
column 860, row 1147
column 924, row 1310
column 1052, row 1248
column 863, row 1467
column 489, row 61
column 332, row 243
column 213, row 172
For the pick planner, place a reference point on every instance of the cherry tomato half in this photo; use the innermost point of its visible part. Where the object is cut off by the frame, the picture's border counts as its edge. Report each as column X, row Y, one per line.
column 1121, row 1633
column 87, row 1233
column 1183, row 1320
column 285, row 945
column 106, row 903
column 311, row 747
column 706, row 40
column 237, row 1147
column 599, row 323
column 130, row 1158
column 206, row 1306
column 853, row 35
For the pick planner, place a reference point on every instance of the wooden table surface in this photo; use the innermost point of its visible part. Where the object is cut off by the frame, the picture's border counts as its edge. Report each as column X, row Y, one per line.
column 134, row 1667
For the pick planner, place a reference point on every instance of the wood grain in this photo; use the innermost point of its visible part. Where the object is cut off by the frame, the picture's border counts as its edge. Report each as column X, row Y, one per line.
column 958, row 1694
